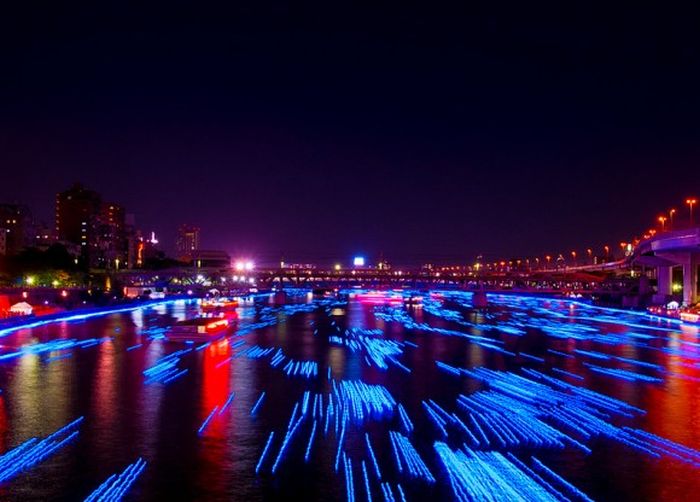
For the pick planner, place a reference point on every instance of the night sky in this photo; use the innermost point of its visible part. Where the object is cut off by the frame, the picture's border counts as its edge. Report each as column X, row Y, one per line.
column 319, row 132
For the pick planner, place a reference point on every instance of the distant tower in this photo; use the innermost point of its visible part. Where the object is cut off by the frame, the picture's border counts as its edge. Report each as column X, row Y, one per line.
column 187, row 241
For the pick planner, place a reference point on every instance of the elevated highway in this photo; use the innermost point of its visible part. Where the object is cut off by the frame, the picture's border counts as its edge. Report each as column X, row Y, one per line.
column 666, row 250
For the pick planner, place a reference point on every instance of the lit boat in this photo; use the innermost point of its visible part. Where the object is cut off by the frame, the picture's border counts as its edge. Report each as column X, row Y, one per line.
column 218, row 304
column 674, row 311
column 692, row 316
column 413, row 301
column 379, row 297
column 198, row 329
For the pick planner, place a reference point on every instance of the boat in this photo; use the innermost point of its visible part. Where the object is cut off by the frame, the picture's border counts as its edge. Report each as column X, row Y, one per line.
column 673, row 310
column 413, row 301
column 218, row 305
column 691, row 315
column 375, row 297
column 201, row 328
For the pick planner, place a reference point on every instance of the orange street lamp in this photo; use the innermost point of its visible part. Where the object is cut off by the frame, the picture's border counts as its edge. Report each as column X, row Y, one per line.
column 607, row 250
column 663, row 219
column 691, row 203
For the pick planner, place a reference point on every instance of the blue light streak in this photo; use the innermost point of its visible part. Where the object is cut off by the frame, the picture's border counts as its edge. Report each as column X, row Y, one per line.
column 257, row 404
column 227, row 403
column 33, row 451
column 116, row 486
column 207, row 420
column 264, row 452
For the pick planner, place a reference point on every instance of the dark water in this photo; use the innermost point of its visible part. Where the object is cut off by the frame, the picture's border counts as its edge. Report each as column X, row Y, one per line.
column 127, row 418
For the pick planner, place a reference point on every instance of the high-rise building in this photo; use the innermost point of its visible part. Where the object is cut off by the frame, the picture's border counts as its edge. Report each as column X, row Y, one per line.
column 109, row 241
column 76, row 211
column 98, row 227
column 15, row 222
column 187, row 241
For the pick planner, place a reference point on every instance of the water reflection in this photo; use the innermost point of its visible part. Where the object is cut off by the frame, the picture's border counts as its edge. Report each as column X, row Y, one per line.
column 127, row 418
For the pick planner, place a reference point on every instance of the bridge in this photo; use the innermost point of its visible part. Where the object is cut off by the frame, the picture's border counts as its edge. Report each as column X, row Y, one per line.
column 667, row 250
column 599, row 279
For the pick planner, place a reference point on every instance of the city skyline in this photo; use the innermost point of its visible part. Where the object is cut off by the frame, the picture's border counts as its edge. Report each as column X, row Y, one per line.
column 120, row 233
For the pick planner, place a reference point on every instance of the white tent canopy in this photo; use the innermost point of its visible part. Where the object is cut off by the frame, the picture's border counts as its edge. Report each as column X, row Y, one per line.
column 22, row 308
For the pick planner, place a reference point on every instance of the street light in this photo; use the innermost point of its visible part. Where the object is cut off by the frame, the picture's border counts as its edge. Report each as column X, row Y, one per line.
column 670, row 217
column 663, row 219
column 691, row 203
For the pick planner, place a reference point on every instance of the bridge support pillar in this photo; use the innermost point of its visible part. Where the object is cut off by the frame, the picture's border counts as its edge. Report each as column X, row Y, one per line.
column 690, row 280
column 664, row 284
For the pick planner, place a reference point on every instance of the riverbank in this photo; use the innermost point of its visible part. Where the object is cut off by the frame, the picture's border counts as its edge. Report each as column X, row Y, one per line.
column 13, row 324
